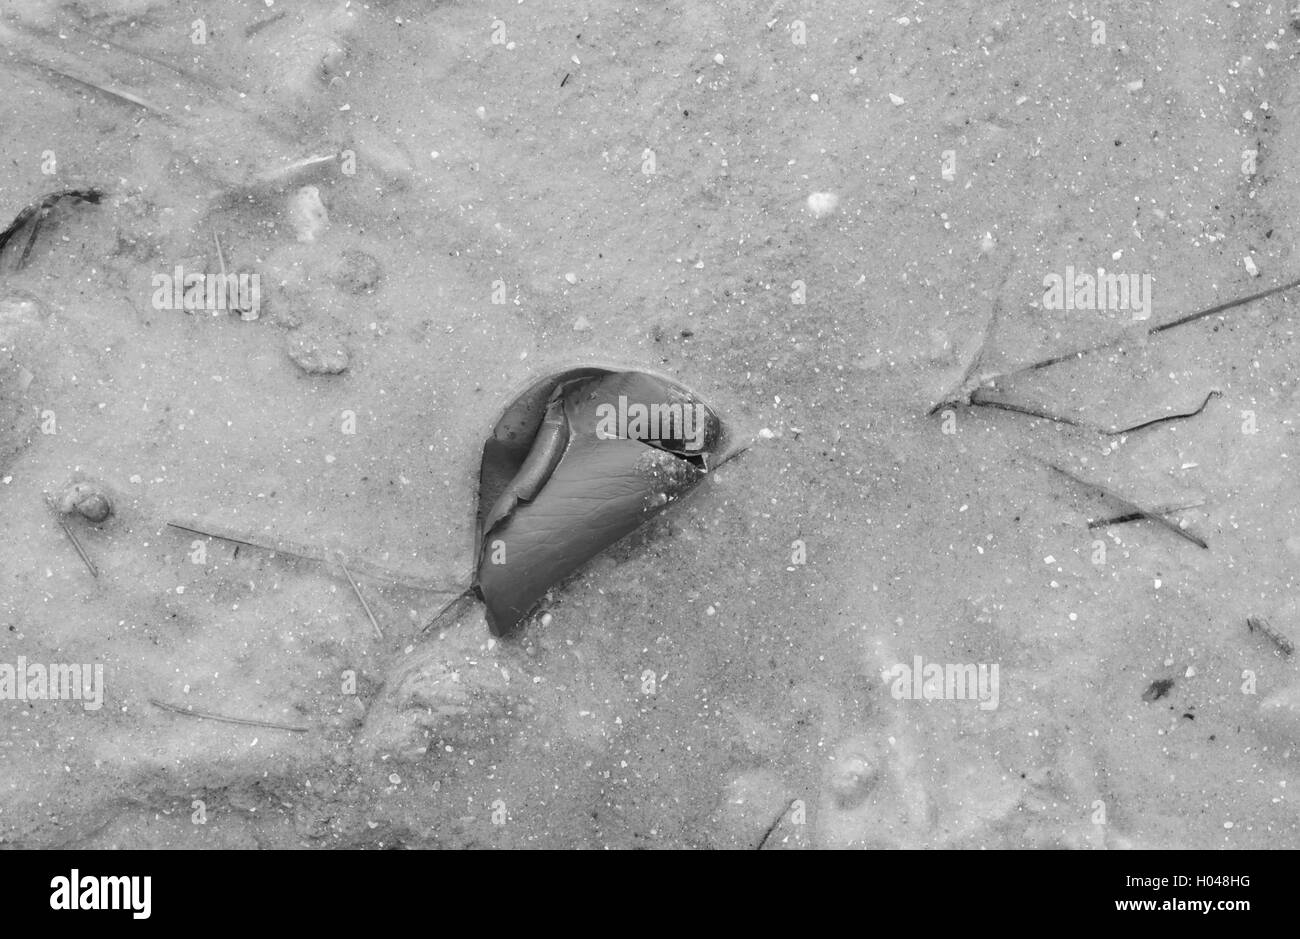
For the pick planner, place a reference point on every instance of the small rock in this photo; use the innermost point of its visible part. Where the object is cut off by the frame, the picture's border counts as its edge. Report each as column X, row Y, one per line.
column 318, row 354
column 1251, row 268
column 897, row 100
column 356, row 272
column 307, row 214
column 821, row 204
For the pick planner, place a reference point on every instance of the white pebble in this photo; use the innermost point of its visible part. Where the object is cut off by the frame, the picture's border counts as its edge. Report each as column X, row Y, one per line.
column 766, row 433
column 547, row 619
column 719, row 58
column 821, row 204
column 1251, row 269
column 571, row 277
column 987, row 243
column 897, row 99
column 307, row 214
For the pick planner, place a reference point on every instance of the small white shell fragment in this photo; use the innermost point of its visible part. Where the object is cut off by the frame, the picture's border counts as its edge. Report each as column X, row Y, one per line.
column 307, row 214
column 987, row 243
column 898, row 100
column 766, row 433
column 1135, row 85
column 821, row 204
column 571, row 277
column 1251, row 268
column 719, row 58
column 547, row 619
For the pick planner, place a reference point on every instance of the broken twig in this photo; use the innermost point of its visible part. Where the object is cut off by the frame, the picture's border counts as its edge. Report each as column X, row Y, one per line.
column 772, row 827
column 357, row 590
column 979, row 402
column 1152, row 331
column 81, row 552
column 1260, row 625
column 1129, row 505
column 1137, row 516
column 211, row 716
column 307, row 553
column 34, row 216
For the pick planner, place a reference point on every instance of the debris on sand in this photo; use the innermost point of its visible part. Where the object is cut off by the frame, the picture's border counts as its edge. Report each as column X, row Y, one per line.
column 317, row 353
column 356, row 272
column 33, row 217
column 1257, row 624
column 1158, row 689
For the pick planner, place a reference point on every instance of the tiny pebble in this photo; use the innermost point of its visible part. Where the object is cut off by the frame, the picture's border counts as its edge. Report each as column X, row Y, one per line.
column 821, row 204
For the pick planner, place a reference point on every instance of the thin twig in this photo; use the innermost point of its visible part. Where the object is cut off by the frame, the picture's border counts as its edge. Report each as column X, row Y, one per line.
column 1021, row 409
column 111, row 91
column 1137, row 517
column 1129, row 505
column 772, row 827
column 467, row 593
column 729, row 457
column 357, row 590
column 1160, row 328
column 1261, row 625
column 307, row 553
column 1168, row 417
column 81, row 552
column 210, row 716
column 979, row 402
column 262, row 24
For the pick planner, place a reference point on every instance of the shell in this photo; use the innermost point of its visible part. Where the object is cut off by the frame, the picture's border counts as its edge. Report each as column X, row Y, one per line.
column 87, row 499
